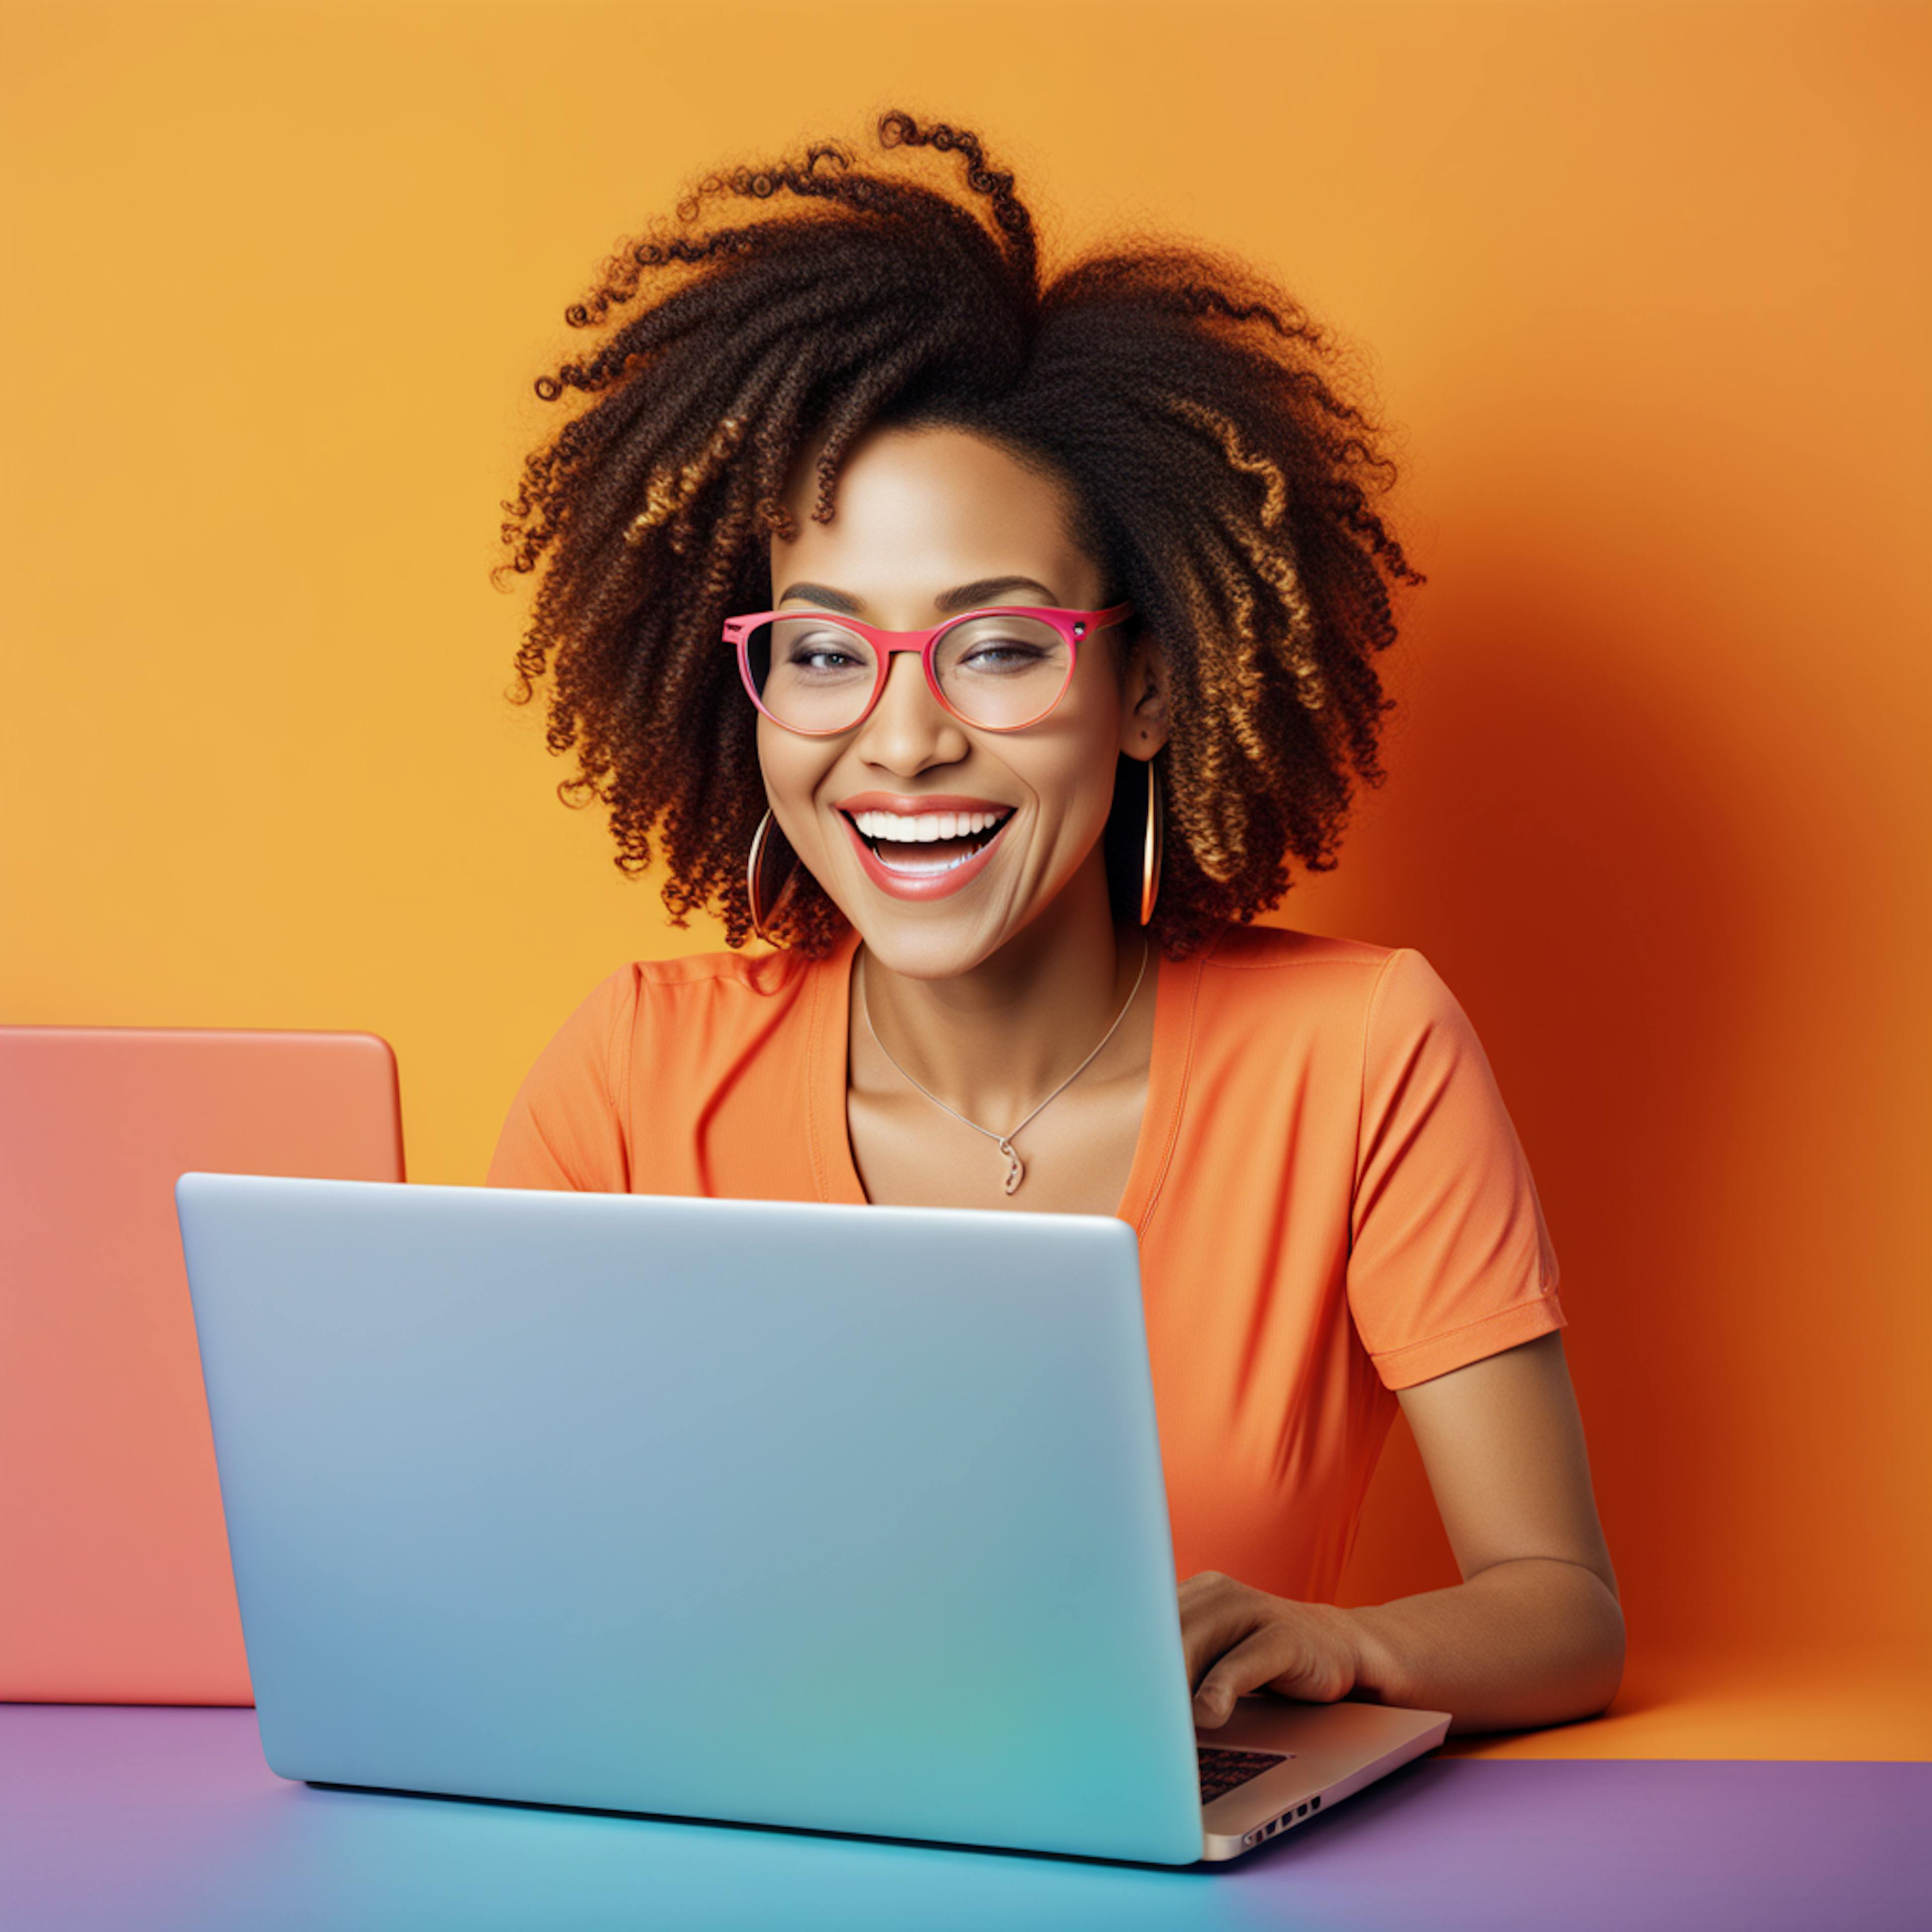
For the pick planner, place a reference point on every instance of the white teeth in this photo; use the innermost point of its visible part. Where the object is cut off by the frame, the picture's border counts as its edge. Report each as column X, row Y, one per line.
column 893, row 829
column 924, row 827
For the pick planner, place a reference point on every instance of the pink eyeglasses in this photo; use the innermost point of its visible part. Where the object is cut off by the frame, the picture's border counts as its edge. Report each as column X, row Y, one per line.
column 999, row 670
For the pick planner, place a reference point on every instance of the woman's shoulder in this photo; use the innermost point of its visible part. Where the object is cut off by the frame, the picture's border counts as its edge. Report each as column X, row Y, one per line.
column 1270, row 949
column 723, row 973
column 1282, row 977
column 759, row 973
column 713, row 1006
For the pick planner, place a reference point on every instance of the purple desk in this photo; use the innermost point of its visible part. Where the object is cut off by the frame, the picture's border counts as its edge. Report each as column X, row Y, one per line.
column 145, row 1820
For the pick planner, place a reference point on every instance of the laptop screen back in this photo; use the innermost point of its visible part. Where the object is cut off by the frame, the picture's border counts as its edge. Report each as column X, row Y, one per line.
column 843, row 1518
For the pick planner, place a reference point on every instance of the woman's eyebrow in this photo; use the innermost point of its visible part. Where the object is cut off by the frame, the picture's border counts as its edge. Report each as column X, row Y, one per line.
column 820, row 593
column 986, row 591
column 963, row 599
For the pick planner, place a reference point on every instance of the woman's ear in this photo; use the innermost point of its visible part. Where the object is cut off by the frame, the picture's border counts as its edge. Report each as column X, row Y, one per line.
column 1144, row 715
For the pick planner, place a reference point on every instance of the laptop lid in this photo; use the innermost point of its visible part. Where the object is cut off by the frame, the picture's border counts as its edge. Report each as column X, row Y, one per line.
column 114, row 1585
column 849, row 1518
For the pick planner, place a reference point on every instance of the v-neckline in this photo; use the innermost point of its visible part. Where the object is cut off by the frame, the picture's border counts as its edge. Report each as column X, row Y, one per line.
column 835, row 1174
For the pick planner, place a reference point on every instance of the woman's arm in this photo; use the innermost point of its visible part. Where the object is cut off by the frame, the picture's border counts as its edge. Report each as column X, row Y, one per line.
column 1534, row 1633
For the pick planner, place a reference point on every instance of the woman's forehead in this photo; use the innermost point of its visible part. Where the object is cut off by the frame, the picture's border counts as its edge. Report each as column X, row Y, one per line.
column 919, row 513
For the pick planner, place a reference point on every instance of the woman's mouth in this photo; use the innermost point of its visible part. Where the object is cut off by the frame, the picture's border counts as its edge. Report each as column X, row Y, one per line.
column 925, row 855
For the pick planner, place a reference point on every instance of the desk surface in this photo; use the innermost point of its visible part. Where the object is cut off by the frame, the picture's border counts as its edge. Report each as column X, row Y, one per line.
column 139, row 1820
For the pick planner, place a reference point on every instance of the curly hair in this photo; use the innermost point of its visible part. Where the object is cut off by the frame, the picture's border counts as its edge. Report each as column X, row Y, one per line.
column 1218, row 475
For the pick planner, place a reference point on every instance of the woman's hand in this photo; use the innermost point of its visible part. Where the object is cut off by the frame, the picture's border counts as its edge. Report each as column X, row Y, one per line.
column 1238, row 1639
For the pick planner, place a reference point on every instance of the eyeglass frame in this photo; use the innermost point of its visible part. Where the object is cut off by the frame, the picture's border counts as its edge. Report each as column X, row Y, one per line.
column 1072, row 625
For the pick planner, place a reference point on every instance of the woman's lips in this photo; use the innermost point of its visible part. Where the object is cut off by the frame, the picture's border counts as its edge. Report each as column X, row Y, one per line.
column 924, row 884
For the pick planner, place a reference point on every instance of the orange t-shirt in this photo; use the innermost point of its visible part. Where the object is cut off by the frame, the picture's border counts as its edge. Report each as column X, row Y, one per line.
column 1331, row 1199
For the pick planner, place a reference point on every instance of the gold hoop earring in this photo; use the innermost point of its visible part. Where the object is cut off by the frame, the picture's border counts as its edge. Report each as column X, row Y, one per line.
column 760, row 912
column 1154, row 849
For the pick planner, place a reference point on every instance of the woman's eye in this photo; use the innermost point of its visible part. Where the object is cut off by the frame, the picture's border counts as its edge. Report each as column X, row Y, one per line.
column 819, row 657
column 998, row 655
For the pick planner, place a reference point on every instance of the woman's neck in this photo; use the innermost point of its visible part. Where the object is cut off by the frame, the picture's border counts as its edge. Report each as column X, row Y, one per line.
column 993, row 1042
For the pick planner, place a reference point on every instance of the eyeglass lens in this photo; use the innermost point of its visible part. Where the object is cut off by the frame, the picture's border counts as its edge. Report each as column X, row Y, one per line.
column 998, row 672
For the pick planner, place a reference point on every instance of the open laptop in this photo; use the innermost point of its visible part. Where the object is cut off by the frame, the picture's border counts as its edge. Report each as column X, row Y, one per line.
column 114, row 1585
column 846, row 1519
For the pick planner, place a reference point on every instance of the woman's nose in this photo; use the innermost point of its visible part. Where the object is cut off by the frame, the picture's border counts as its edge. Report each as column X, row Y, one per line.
column 909, row 729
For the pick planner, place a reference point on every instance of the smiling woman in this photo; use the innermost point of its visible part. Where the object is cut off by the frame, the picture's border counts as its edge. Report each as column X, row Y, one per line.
column 992, row 649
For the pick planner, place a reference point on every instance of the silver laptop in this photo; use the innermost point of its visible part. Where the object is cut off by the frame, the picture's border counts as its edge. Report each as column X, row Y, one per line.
column 840, row 1518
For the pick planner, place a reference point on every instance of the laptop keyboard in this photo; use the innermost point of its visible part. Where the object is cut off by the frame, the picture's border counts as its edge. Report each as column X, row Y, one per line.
column 1222, row 1771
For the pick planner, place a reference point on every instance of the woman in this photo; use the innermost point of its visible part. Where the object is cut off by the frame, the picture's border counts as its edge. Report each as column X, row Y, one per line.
column 991, row 650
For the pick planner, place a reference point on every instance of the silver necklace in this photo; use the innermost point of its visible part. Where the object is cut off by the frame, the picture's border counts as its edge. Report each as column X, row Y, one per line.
column 1015, row 1167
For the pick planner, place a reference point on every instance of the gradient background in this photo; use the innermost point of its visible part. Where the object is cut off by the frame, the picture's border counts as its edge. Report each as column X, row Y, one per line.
column 1641, row 288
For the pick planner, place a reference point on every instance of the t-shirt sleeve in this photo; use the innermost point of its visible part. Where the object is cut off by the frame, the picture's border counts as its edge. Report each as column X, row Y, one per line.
column 566, row 1129
column 1449, row 1258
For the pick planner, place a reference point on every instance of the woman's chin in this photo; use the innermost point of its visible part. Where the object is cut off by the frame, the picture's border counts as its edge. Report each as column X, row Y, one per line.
column 928, row 948
column 936, row 939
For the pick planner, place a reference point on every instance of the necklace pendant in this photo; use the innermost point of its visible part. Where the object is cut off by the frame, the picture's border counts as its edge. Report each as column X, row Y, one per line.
column 1016, row 1168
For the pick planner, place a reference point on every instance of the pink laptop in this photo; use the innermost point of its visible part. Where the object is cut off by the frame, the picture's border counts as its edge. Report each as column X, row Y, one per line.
column 115, row 1586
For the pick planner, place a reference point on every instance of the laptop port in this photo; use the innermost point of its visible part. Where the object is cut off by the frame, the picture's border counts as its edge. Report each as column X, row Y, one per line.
column 1303, row 1812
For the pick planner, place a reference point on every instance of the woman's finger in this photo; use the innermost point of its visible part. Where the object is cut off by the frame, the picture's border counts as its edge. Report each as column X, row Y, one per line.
column 1216, row 1614
column 1257, row 1660
column 1298, row 1655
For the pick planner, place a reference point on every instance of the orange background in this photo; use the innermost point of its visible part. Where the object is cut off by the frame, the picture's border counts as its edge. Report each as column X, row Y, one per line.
column 1641, row 289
